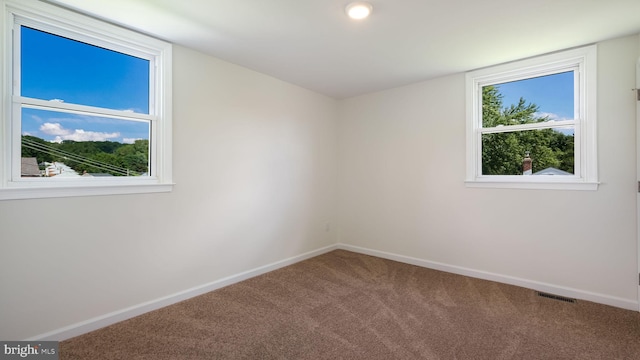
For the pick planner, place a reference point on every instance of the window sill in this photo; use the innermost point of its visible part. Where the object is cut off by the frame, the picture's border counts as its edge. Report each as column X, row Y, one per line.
column 537, row 185
column 18, row 193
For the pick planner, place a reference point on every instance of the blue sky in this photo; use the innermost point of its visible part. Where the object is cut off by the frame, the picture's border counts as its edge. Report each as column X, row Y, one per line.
column 56, row 68
column 553, row 94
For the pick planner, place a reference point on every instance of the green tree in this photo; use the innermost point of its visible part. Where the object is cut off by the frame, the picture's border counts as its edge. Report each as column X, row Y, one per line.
column 32, row 147
column 135, row 157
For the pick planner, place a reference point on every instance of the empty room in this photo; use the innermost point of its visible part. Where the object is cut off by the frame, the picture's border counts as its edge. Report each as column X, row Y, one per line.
column 319, row 179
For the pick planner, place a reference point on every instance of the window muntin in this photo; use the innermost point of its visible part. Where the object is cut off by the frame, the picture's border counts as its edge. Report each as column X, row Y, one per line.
column 509, row 123
column 134, row 115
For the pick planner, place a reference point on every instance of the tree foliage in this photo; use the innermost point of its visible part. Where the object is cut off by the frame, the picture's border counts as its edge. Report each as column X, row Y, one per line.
column 502, row 153
column 105, row 157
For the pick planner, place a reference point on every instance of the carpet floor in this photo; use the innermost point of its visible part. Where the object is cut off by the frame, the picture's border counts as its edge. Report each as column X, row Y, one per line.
column 343, row 305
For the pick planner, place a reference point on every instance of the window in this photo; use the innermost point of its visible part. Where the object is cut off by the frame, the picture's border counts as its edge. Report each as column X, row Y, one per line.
column 88, row 106
column 532, row 123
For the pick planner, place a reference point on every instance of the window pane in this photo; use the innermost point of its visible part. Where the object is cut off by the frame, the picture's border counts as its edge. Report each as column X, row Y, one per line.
column 530, row 100
column 68, row 145
column 551, row 152
column 54, row 67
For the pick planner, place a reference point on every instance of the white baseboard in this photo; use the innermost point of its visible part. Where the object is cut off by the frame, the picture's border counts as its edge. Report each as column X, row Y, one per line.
column 133, row 311
column 530, row 284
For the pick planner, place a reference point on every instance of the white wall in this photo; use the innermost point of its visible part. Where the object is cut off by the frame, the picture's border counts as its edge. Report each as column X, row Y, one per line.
column 255, row 172
column 401, row 190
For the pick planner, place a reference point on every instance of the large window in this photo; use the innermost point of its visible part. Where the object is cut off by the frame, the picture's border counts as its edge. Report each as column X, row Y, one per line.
column 89, row 106
column 531, row 123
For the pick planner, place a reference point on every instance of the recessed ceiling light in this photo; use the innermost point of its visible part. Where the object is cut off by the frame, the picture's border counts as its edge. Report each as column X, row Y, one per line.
column 359, row 10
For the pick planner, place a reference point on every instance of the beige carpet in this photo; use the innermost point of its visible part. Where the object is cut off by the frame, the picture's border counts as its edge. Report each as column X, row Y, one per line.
column 343, row 305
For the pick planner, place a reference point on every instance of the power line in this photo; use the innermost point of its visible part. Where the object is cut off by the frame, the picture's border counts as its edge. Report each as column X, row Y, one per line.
column 81, row 159
column 34, row 145
column 78, row 158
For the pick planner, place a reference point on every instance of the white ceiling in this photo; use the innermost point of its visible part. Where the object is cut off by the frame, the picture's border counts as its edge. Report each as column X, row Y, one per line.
column 313, row 44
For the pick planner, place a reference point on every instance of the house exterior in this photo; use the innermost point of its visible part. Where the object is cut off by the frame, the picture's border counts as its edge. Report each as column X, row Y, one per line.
column 552, row 171
column 29, row 167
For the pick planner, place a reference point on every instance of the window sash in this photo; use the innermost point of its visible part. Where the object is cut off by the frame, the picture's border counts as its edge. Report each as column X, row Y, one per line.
column 17, row 149
column 80, row 109
column 576, row 141
column 524, row 75
column 19, row 102
column 84, row 36
column 577, row 153
column 552, row 124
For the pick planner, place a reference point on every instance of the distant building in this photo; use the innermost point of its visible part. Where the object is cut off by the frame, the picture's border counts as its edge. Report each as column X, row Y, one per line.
column 29, row 167
column 527, row 165
column 552, row 171
column 59, row 169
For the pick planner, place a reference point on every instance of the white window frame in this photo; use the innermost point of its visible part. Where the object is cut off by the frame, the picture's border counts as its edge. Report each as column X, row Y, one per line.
column 584, row 62
column 70, row 24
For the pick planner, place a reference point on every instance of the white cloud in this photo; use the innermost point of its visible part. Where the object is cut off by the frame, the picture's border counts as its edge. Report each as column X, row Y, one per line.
column 54, row 129
column 75, row 135
column 130, row 140
column 551, row 116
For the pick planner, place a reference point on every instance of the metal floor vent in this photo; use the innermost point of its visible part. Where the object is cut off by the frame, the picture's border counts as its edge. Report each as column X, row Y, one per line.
column 557, row 297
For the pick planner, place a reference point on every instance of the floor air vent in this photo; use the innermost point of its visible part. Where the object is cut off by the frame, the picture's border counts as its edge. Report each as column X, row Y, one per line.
column 557, row 297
